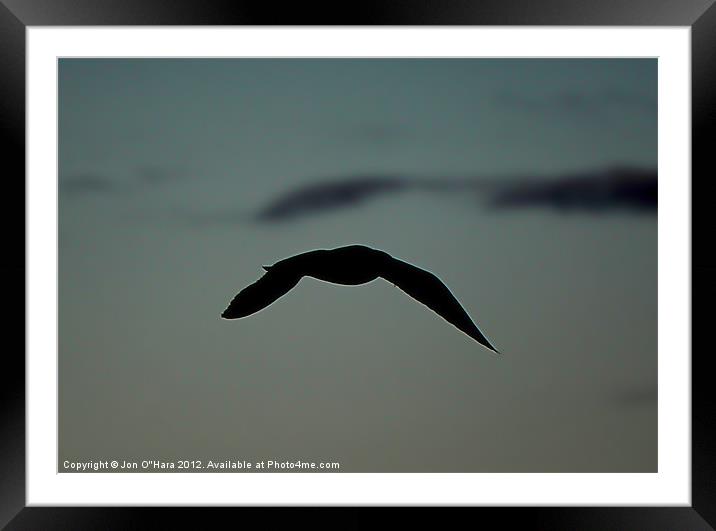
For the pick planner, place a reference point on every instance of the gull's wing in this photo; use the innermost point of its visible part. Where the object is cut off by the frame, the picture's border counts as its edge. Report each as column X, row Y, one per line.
column 274, row 284
column 428, row 289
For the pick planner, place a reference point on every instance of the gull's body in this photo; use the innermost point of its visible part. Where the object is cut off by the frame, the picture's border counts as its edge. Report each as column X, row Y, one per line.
column 353, row 265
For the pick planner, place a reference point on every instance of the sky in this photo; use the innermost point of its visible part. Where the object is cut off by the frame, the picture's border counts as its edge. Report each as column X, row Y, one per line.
column 165, row 166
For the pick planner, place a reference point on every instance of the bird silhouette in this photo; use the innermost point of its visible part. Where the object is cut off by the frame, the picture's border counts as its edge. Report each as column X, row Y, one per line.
column 353, row 265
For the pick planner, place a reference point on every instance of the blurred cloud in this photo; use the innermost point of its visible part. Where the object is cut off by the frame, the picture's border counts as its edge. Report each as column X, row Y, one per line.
column 377, row 133
column 329, row 195
column 627, row 189
column 614, row 189
column 95, row 184
column 577, row 102
column 156, row 175
column 86, row 184
column 219, row 218
column 638, row 396
column 624, row 189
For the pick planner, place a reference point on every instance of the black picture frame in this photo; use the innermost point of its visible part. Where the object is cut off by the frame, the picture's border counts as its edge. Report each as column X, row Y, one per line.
column 16, row 15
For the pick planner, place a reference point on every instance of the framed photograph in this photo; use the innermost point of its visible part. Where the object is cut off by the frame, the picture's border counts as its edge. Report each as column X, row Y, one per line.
column 419, row 259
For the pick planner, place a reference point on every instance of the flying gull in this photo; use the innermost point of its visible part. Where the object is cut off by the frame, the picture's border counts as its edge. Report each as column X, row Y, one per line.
column 353, row 265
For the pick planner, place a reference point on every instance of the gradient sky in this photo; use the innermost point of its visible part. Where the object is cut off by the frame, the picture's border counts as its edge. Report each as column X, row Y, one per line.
column 360, row 375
